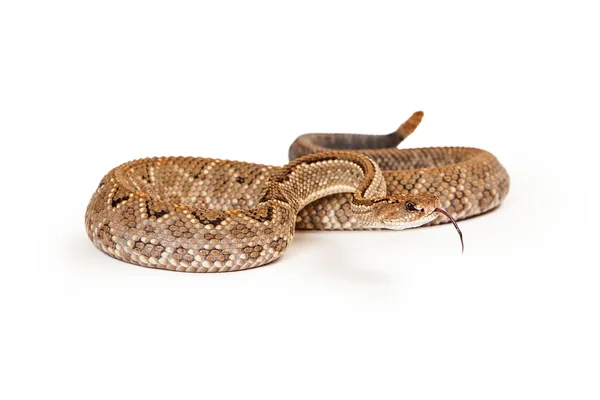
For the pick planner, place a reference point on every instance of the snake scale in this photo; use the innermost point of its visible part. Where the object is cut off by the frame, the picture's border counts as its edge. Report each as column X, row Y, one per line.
column 210, row 215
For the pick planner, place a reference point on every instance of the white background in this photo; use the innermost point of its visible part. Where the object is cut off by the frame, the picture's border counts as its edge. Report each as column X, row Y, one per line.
column 85, row 86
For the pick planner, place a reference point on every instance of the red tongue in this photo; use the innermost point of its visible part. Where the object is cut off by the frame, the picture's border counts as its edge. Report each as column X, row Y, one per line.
column 442, row 211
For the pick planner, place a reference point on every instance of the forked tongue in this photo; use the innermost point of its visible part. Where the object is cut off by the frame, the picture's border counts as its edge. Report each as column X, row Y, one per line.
column 442, row 211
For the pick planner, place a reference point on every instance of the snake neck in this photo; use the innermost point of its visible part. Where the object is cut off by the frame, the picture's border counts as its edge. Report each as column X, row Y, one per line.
column 312, row 177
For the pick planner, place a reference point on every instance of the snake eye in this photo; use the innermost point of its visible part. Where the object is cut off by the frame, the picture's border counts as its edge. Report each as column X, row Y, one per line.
column 410, row 206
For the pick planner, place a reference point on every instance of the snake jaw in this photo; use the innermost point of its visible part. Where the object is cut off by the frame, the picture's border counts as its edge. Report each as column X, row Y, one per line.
column 412, row 224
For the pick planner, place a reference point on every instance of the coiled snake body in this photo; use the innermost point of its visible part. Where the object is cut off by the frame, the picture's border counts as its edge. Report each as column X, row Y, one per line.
column 209, row 215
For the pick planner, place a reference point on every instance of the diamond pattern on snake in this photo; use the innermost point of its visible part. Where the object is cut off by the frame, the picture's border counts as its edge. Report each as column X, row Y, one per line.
column 209, row 215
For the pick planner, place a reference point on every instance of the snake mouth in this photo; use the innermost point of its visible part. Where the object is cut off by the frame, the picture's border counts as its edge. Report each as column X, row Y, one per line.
column 445, row 213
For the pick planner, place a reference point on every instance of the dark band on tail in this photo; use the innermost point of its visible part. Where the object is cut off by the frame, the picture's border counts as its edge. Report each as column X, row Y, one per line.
column 317, row 142
column 409, row 125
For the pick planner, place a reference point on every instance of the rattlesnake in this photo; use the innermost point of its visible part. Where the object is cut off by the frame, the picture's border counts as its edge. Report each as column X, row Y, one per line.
column 209, row 215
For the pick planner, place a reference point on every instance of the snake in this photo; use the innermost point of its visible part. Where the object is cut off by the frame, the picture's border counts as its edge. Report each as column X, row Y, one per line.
column 194, row 214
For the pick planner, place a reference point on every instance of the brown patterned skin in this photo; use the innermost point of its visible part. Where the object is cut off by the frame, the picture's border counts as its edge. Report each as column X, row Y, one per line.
column 467, row 181
column 208, row 215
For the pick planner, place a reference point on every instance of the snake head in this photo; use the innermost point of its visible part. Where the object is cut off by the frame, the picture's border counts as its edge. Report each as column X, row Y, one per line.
column 402, row 211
